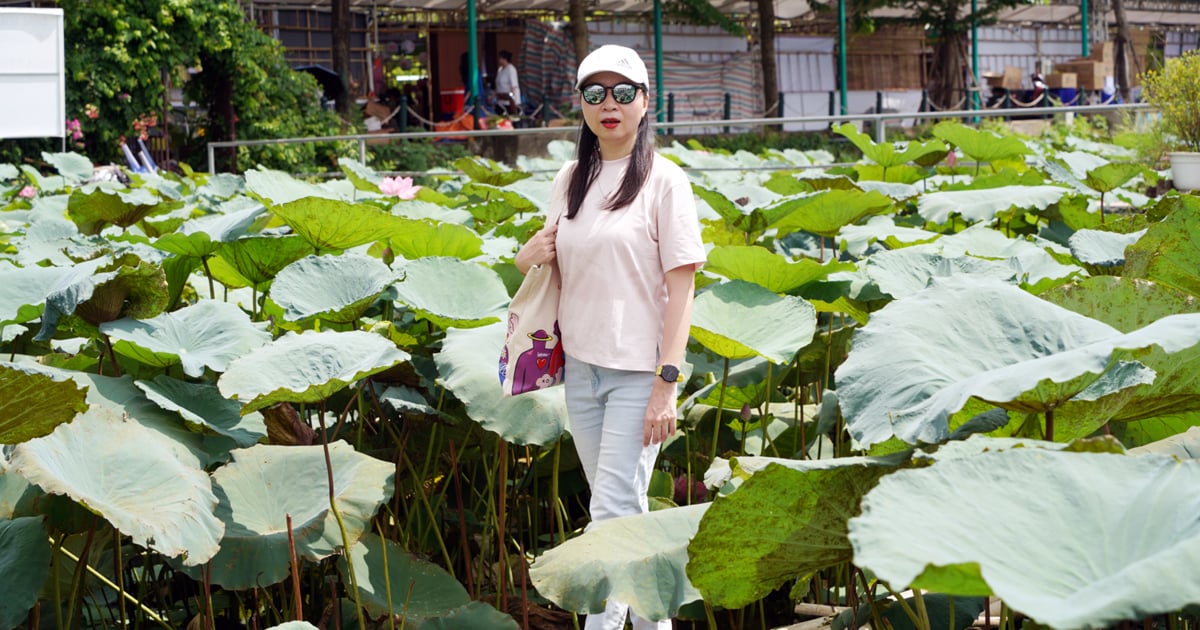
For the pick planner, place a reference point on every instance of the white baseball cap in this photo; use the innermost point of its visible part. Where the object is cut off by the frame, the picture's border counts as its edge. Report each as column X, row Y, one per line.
column 612, row 58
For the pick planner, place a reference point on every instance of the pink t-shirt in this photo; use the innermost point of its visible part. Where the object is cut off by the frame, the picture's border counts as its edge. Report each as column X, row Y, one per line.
column 613, row 263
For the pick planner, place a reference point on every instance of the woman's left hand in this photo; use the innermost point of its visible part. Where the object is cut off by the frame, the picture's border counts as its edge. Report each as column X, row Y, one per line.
column 660, row 413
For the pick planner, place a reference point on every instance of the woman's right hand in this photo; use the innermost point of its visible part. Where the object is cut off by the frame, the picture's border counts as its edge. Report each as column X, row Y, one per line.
column 538, row 250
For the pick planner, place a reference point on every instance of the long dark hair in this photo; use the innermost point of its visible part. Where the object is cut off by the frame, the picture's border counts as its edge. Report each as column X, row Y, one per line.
column 588, row 167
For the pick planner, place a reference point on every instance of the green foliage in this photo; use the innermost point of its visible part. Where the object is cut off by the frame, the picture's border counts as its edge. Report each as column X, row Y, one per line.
column 1175, row 92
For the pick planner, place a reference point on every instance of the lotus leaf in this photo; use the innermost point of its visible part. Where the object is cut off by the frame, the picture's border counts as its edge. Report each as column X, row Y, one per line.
column 102, row 206
column 201, row 404
column 1169, row 250
column 1109, row 177
column 23, row 290
column 937, row 528
column 984, row 205
column 307, row 367
column 1184, row 445
column 332, row 288
column 264, row 484
column 33, row 403
column 255, row 260
column 452, row 293
column 887, row 154
column 638, row 560
column 485, row 171
column 467, row 366
column 333, row 225
column 363, row 177
column 983, row 146
column 857, row 239
column 921, row 358
column 71, row 165
column 72, row 289
column 203, row 236
column 421, row 592
column 208, row 334
column 279, row 188
column 798, row 512
column 24, row 567
column 1103, row 249
column 772, row 271
column 827, row 211
column 153, row 493
column 417, row 238
column 738, row 320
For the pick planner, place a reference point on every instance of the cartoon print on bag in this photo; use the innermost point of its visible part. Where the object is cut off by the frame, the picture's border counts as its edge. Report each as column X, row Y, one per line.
column 533, row 364
column 513, row 318
column 557, row 357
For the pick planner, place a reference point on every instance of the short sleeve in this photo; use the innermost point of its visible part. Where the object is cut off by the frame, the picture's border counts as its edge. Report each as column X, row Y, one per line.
column 679, row 241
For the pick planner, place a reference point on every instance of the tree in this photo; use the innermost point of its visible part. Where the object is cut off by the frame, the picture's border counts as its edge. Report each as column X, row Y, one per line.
column 766, row 37
column 340, row 27
column 577, row 14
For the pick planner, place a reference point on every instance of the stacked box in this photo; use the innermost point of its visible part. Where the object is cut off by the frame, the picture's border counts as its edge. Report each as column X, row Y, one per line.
column 1009, row 80
column 1062, row 80
column 1089, row 74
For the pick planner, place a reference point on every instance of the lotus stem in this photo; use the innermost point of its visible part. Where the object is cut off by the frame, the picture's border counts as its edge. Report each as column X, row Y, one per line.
column 908, row 610
column 921, row 610
column 212, row 290
column 720, row 408
column 502, row 517
column 869, row 594
column 387, row 576
column 119, row 568
column 295, row 570
column 337, row 515
column 420, row 491
column 58, row 617
column 58, row 545
column 1049, row 425
column 77, row 577
column 462, row 520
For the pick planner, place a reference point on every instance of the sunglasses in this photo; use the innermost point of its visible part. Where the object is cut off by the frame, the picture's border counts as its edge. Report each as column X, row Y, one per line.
column 623, row 93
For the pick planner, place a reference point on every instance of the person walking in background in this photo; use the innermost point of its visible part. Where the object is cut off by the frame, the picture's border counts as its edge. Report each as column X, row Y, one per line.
column 628, row 248
column 508, row 88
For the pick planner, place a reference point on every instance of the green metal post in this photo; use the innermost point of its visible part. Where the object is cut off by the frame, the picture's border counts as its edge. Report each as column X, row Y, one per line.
column 974, row 55
column 1083, row 25
column 658, row 61
column 842, row 54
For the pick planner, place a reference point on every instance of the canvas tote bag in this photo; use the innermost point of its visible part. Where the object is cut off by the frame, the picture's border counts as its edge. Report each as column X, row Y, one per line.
column 532, row 357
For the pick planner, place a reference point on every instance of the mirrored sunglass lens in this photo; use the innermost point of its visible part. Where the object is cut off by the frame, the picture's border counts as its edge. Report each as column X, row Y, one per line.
column 594, row 94
column 624, row 93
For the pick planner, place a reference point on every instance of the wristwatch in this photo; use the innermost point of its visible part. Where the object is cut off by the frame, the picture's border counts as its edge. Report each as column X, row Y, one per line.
column 669, row 373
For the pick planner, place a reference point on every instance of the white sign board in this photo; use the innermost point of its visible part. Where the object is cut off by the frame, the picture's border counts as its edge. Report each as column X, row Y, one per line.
column 33, row 94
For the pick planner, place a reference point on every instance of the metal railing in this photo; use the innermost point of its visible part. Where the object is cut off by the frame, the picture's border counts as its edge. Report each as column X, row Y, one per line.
column 878, row 120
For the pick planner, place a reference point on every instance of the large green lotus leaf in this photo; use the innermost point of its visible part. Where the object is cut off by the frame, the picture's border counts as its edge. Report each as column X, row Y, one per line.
column 363, row 177
column 1128, row 305
column 452, row 293
column 208, row 334
column 483, row 170
column 263, row 484
column 101, row 206
column 32, row 403
column 422, row 594
column 1169, row 250
column 467, row 366
column 133, row 477
column 330, row 224
column 307, row 367
column 638, row 560
column 984, row 146
column 24, row 567
column 983, row 205
column 857, row 239
column 257, row 259
column 787, row 520
column 514, row 200
column 202, row 236
column 827, row 211
column 279, row 188
column 417, row 238
column 23, row 290
column 904, row 272
column 1112, row 530
column 921, row 358
column 71, row 289
column 887, row 154
column 332, row 288
column 1111, row 176
column 1103, row 249
column 13, row 489
column 738, row 320
column 763, row 267
column 70, row 165
column 201, row 404
column 733, row 201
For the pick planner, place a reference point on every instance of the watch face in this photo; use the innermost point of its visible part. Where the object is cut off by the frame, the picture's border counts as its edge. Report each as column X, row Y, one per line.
column 670, row 373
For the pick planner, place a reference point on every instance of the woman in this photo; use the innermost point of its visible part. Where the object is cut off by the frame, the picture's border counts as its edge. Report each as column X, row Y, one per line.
column 628, row 245
column 508, row 88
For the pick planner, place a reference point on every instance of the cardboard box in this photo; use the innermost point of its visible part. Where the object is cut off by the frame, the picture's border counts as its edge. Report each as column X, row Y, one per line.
column 1009, row 80
column 1061, row 80
column 1089, row 74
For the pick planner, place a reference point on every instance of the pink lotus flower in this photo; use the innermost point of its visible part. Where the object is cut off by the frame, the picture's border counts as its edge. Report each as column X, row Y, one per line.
column 401, row 187
column 28, row 192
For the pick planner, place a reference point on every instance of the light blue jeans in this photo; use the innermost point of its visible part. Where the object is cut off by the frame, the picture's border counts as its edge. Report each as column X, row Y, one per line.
column 607, row 410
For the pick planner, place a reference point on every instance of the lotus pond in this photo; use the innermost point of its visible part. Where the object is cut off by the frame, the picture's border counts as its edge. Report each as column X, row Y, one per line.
column 966, row 367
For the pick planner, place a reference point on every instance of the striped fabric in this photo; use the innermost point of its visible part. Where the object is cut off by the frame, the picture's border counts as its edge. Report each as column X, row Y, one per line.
column 547, row 62
column 699, row 84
